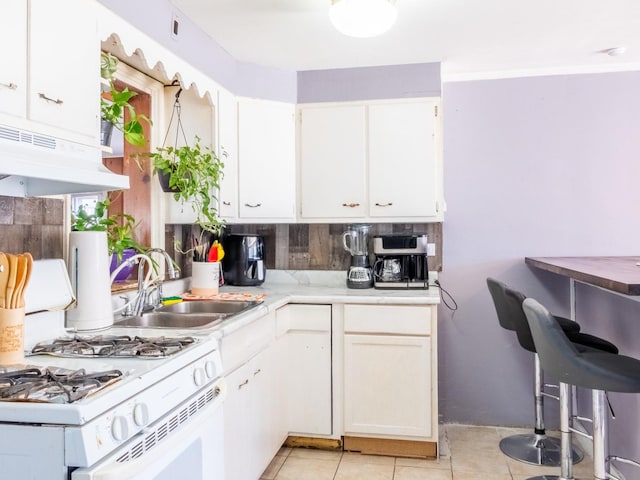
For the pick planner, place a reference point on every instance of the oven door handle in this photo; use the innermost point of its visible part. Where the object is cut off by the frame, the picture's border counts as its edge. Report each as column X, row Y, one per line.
column 153, row 461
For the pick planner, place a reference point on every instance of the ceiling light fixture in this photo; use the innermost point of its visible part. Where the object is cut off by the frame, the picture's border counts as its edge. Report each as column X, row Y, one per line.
column 362, row 18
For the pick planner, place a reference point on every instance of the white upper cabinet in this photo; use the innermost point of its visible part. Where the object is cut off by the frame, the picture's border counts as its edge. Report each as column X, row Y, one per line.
column 228, row 143
column 376, row 160
column 13, row 57
column 266, row 160
column 402, row 139
column 333, row 161
column 61, row 94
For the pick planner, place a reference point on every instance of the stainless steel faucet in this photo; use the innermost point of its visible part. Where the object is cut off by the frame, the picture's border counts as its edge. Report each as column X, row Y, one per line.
column 143, row 302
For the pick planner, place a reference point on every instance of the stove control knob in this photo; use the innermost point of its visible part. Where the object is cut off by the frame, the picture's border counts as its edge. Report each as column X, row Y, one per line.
column 119, row 428
column 141, row 414
column 210, row 369
column 199, row 376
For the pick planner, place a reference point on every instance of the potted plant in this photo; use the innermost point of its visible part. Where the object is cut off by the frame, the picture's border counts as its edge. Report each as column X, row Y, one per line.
column 192, row 173
column 119, row 229
column 112, row 112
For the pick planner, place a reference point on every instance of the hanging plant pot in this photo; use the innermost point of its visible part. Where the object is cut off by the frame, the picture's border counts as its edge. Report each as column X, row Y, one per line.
column 106, row 129
column 163, row 178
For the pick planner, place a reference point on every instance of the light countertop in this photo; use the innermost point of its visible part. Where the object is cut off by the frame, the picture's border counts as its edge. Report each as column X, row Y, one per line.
column 317, row 287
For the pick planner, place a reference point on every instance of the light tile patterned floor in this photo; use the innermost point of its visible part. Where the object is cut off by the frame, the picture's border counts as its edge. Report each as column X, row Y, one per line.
column 466, row 453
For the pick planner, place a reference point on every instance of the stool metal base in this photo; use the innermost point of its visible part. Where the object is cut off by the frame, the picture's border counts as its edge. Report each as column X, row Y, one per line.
column 536, row 450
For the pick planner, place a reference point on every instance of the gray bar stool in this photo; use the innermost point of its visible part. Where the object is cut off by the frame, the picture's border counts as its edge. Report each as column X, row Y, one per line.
column 537, row 448
column 597, row 371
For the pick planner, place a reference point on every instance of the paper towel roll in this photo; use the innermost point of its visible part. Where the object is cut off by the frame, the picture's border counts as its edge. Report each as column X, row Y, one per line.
column 88, row 266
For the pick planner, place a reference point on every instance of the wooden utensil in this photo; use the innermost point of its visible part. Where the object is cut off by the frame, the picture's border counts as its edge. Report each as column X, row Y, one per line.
column 29, row 267
column 11, row 282
column 16, row 301
column 4, row 278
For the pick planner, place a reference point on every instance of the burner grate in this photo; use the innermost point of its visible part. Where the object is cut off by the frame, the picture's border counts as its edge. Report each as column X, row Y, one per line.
column 113, row 346
column 53, row 384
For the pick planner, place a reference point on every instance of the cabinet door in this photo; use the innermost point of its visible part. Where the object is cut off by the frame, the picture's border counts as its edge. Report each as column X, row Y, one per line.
column 308, row 368
column 64, row 62
column 238, row 422
column 228, row 143
column 266, row 159
column 13, row 58
column 333, row 162
column 402, row 159
column 387, row 385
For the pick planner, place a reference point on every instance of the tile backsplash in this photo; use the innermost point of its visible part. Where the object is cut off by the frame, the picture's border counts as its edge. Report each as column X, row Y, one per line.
column 306, row 246
column 34, row 225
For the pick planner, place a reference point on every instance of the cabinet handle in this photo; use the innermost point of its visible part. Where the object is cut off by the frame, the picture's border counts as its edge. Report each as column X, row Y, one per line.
column 56, row 101
column 351, row 205
column 383, row 204
column 255, row 205
column 257, row 372
column 226, row 203
column 10, row 85
column 243, row 384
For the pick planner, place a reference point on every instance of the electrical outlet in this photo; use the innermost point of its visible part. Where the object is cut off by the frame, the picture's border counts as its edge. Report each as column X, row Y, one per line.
column 175, row 26
column 431, row 249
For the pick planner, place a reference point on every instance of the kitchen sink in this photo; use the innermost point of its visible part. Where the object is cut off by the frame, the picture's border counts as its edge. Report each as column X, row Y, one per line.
column 195, row 314
column 170, row 320
column 205, row 307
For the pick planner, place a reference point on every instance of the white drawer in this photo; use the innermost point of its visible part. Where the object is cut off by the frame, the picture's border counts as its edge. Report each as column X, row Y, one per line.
column 303, row 317
column 240, row 346
column 399, row 319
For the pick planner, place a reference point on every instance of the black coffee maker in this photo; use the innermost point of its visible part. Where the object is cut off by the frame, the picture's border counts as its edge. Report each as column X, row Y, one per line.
column 243, row 262
column 401, row 262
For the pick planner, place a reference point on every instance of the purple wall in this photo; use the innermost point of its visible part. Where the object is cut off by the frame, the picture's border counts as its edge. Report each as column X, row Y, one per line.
column 368, row 83
column 154, row 18
column 541, row 166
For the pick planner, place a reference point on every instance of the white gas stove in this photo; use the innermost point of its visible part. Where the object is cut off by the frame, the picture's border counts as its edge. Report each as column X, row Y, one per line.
column 150, row 415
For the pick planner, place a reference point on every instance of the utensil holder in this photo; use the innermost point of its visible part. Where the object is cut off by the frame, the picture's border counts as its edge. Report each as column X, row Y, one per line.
column 11, row 336
column 205, row 278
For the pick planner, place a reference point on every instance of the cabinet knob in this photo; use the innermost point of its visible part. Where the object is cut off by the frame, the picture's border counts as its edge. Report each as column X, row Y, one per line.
column 226, row 203
column 384, row 204
column 351, row 205
column 48, row 99
column 254, row 205
column 243, row 384
column 10, row 85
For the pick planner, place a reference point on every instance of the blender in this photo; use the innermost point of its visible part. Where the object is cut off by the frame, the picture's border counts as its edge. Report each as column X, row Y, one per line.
column 355, row 240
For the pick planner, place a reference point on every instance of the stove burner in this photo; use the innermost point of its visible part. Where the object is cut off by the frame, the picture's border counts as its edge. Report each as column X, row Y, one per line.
column 113, row 346
column 52, row 384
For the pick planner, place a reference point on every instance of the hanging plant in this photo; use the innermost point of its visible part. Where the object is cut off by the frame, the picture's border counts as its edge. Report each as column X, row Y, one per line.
column 112, row 111
column 193, row 173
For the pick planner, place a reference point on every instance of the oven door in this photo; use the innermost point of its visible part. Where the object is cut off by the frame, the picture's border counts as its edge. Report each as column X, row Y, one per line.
column 194, row 450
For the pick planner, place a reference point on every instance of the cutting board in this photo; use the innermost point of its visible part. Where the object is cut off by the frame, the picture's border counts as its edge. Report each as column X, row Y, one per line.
column 226, row 296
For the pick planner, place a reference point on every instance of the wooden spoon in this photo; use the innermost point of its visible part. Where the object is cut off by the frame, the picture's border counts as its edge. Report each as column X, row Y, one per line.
column 21, row 276
column 4, row 278
column 29, row 268
column 11, row 282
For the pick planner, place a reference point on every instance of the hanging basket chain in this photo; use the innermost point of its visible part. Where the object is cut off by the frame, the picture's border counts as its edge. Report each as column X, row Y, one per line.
column 177, row 111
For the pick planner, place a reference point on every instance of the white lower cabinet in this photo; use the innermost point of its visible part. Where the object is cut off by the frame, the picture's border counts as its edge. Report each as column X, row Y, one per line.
column 305, row 333
column 284, row 378
column 389, row 375
column 253, row 423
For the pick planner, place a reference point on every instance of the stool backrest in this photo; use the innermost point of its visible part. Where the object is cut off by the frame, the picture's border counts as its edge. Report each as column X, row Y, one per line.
column 558, row 355
column 508, row 304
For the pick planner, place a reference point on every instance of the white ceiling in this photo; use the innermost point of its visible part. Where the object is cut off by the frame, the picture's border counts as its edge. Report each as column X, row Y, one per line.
column 471, row 38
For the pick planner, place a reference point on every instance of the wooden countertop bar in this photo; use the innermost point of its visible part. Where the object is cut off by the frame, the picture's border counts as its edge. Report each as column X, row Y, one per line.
column 619, row 274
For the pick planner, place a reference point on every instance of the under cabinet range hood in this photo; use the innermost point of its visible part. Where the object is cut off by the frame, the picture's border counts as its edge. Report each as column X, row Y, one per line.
column 32, row 164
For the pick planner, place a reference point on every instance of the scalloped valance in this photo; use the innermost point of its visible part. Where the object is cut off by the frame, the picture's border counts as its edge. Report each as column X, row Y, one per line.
column 140, row 51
